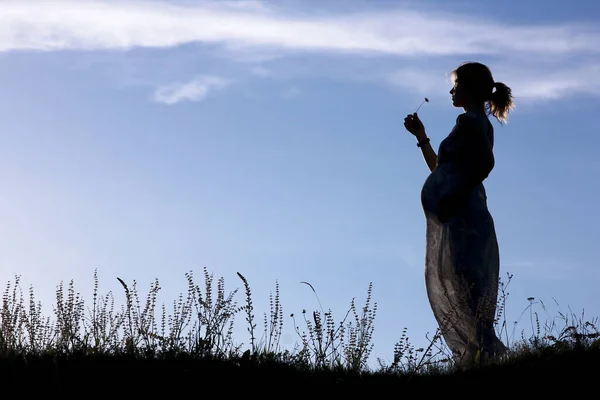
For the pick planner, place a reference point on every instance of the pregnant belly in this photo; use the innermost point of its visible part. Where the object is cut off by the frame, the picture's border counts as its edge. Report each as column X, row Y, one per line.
column 431, row 190
column 442, row 184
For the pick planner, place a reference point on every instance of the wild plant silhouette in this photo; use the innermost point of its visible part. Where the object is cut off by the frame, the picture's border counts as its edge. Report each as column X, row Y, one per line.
column 194, row 335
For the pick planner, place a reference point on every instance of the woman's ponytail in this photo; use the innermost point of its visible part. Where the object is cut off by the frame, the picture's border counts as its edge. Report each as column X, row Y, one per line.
column 501, row 102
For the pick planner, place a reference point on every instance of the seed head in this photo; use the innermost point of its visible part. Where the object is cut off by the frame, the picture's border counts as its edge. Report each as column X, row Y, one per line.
column 424, row 101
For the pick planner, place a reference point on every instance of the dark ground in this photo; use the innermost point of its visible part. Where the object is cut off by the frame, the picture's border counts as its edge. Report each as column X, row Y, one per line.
column 87, row 374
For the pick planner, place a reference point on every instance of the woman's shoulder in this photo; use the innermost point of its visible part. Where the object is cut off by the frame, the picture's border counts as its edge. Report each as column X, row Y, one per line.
column 470, row 117
column 464, row 122
column 473, row 121
column 470, row 123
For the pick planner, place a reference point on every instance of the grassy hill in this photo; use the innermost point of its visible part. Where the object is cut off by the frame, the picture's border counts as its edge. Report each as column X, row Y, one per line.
column 141, row 344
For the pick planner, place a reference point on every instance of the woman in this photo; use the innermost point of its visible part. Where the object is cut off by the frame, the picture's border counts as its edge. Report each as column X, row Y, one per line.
column 462, row 258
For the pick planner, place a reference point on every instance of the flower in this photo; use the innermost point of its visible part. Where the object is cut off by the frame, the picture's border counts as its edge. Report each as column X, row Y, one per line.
column 424, row 101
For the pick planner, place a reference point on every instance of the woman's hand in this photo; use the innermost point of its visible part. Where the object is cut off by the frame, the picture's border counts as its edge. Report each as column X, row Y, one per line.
column 413, row 124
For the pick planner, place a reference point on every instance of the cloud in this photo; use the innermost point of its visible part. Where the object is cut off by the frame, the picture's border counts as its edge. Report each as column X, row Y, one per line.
column 557, row 83
column 111, row 25
column 528, row 83
column 422, row 81
column 261, row 71
column 195, row 90
column 291, row 93
column 539, row 61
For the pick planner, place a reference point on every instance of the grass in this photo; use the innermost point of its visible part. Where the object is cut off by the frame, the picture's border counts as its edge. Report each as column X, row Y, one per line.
column 192, row 339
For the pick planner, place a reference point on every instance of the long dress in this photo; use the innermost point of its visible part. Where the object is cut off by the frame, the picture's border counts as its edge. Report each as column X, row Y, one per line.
column 462, row 257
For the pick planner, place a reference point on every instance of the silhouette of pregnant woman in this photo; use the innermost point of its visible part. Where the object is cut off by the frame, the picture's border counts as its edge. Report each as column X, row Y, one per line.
column 462, row 257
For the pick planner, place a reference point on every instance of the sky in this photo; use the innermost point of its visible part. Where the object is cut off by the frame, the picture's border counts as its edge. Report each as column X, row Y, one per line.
column 146, row 139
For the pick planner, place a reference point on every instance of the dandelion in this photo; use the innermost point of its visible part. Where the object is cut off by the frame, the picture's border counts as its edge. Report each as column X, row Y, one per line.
column 424, row 101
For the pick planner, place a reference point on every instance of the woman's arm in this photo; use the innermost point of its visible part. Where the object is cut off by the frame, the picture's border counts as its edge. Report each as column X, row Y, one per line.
column 413, row 124
column 428, row 152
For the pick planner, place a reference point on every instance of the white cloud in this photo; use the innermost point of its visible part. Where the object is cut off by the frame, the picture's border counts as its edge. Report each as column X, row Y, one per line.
column 261, row 71
column 423, row 81
column 535, row 58
column 291, row 93
column 557, row 83
column 527, row 83
column 195, row 90
column 93, row 25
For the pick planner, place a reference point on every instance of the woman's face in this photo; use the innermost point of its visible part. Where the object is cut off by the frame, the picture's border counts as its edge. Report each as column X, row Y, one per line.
column 459, row 96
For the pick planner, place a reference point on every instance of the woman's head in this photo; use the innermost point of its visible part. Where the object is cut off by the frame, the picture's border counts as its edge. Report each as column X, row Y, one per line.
column 474, row 86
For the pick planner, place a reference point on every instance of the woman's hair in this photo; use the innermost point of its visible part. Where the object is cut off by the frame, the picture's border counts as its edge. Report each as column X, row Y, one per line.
column 477, row 80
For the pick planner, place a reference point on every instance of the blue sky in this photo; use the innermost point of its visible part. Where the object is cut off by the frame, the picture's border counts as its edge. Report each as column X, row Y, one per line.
column 147, row 139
